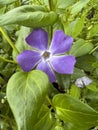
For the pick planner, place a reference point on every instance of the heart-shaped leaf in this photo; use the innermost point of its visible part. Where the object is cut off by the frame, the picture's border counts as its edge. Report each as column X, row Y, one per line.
column 26, row 93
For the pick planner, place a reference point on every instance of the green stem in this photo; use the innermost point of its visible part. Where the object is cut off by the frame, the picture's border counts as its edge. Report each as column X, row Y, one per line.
column 51, row 32
column 51, row 27
column 93, row 49
column 6, row 60
column 49, row 101
column 50, row 4
column 8, row 40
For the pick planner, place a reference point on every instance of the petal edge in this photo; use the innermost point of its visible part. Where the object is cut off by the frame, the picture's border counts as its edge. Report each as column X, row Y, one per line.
column 38, row 39
column 45, row 67
column 28, row 59
column 63, row 64
column 61, row 42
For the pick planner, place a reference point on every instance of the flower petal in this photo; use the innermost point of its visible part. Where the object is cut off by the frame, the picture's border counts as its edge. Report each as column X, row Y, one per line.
column 80, row 82
column 63, row 64
column 86, row 80
column 28, row 59
column 45, row 67
column 38, row 39
column 61, row 43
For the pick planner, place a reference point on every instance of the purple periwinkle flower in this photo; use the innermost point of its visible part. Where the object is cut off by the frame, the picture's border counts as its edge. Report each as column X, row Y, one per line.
column 47, row 59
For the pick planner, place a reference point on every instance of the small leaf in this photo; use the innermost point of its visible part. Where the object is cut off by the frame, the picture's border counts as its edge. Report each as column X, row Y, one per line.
column 74, row 111
column 75, row 91
column 80, row 48
column 78, row 6
column 77, row 74
column 79, row 24
column 28, row 15
column 92, row 87
column 26, row 93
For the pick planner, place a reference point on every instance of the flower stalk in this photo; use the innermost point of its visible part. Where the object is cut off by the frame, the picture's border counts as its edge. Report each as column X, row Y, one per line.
column 8, row 40
column 6, row 60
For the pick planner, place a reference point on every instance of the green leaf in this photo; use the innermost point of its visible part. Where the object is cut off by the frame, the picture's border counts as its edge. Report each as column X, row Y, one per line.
column 58, row 128
column 45, row 119
column 28, row 15
column 21, row 43
column 92, row 99
column 2, row 81
column 92, row 87
column 75, row 91
column 5, row 2
column 70, row 126
column 78, row 73
column 95, row 64
column 68, row 28
column 72, row 110
column 80, row 48
column 77, row 28
column 78, row 6
column 86, row 62
column 93, row 31
column 26, row 93
column 62, row 4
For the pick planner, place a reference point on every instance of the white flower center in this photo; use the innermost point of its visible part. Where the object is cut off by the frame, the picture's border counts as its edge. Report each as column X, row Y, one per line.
column 46, row 55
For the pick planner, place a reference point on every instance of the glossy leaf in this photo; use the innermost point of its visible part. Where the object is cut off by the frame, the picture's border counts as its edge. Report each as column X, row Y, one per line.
column 26, row 93
column 28, row 15
column 81, row 47
column 74, row 111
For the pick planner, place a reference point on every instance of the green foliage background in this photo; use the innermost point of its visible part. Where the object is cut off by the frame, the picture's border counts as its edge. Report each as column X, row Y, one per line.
column 28, row 101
